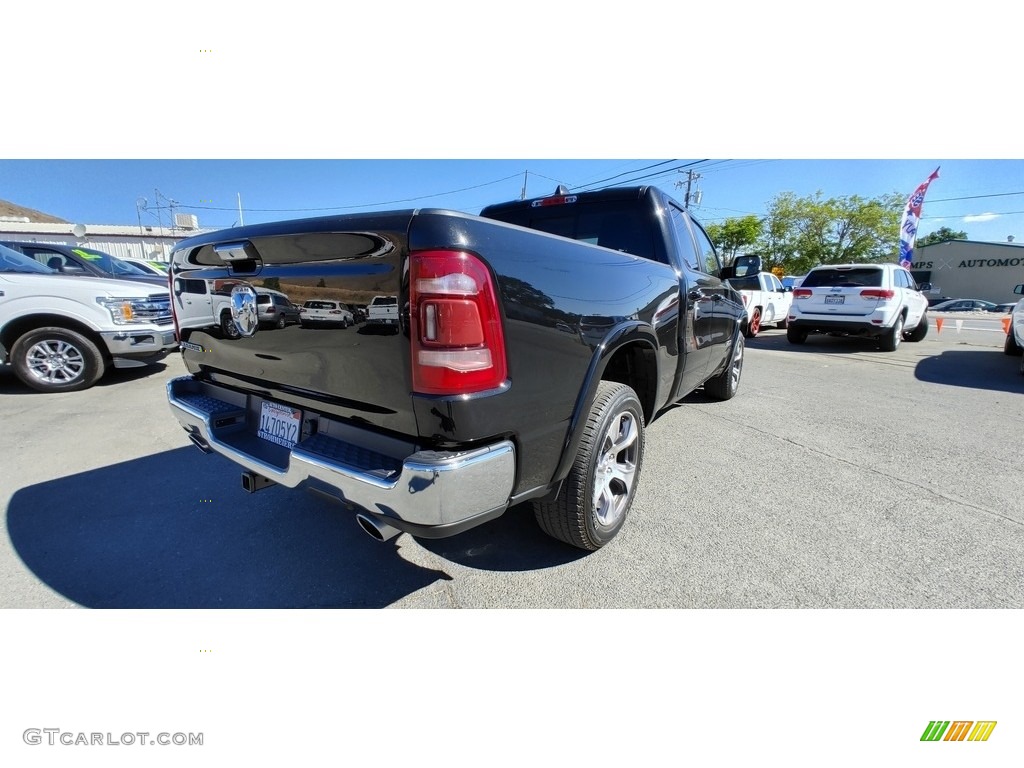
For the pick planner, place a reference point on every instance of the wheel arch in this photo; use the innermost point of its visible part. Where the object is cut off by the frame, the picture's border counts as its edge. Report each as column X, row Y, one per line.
column 631, row 360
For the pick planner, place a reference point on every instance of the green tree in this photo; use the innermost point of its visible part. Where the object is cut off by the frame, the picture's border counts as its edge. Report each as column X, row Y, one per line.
column 941, row 235
column 273, row 283
column 734, row 235
column 802, row 232
column 321, row 283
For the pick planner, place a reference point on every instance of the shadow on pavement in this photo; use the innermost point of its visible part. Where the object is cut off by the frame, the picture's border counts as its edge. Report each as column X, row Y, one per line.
column 513, row 542
column 11, row 385
column 976, row 369
column 176, row 530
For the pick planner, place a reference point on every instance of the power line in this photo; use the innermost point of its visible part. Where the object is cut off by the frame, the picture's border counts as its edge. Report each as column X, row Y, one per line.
column 347, row 207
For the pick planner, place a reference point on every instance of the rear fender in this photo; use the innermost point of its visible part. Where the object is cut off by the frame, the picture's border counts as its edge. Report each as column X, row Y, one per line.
column 639, row 335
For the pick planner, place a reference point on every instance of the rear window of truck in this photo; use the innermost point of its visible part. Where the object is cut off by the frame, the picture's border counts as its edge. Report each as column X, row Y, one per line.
column 619, row 230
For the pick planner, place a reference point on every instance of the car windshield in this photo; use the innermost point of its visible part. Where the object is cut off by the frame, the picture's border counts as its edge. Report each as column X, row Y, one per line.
column 12, row 261
column 840, row 278
column 319, row 305
column 108, row 263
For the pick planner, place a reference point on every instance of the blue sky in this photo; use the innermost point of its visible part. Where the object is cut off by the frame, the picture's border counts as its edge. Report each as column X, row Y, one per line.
column 984, row 198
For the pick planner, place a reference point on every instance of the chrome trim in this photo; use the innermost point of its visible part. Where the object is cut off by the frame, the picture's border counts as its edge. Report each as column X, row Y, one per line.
column 432, row 488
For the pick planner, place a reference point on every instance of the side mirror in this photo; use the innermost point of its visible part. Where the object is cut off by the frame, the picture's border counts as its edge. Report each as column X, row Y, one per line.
column 746, row 265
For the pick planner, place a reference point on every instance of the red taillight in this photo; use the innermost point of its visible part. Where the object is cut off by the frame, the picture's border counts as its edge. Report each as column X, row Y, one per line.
column 458, row 345
column 878, row 293
column 801, row 293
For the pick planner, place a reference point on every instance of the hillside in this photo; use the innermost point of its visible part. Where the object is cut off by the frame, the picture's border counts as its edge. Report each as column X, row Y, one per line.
column 14, row 210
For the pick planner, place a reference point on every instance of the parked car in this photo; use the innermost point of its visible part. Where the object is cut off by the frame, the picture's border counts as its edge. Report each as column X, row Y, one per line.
column 274, row 308
column 933, row 300
column 322, row 312
column 479, row 401
column 792, row 281
column 150, row 267
column 766, row 301
column 383, row 310
column 61, row 333
column 1014, row 344
column 966, row 305
column 874, row 300
column 76, row 260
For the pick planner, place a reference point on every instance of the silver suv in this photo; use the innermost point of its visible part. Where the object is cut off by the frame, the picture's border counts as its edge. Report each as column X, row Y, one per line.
column 874, row 300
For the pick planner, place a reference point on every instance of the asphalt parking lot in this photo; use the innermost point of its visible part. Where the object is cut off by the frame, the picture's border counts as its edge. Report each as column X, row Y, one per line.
column 839, row 477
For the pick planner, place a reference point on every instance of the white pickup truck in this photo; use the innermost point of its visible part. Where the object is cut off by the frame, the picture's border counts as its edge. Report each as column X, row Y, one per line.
column 383, row 310
column 60, row 333
column 765, row 299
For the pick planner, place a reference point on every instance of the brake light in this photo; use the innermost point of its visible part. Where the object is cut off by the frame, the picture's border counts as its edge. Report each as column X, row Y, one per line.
column 801, row 293
column 458, row 344
column 555, row 200
column 878, row 293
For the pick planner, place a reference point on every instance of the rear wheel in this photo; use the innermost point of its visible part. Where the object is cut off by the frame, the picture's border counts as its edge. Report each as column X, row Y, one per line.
column 281, row 322
column 725, row 385
column 57, row 360
column 796, row 335
column 598, row 492
column 754, row 326
column 783, row 323
column 920, row 332
column 1010, row 346
column 228, row 327
column 891, row 339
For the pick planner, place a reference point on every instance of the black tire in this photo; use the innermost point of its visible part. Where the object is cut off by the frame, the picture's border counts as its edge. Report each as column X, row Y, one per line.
column 753, row 327
column 783, row 324
column 1010, row 346
column 228, row 327
column 920, row 332
column 725, row 385
column 57, row 360
column 796, row 335
column 595, row 498
column 281, row 322
column 890, row 340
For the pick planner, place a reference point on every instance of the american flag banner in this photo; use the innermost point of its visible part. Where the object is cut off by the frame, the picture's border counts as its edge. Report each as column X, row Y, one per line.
column 911, row 217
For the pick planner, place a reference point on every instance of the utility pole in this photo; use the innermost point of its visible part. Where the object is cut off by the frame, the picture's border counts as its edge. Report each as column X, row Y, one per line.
column 525, row 175
column 690, row 178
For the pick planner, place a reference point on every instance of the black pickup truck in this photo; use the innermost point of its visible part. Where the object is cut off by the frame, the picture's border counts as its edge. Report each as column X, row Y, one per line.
column 534, row 343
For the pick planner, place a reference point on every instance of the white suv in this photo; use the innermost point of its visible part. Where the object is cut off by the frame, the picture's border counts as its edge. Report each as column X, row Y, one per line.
column 874, row 300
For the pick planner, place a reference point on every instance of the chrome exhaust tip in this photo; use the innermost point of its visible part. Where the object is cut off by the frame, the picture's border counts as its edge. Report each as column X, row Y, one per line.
column 376, row 529
column 199, row 443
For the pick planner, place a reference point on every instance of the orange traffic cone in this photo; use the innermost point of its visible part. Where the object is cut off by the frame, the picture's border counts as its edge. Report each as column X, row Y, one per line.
column 1006, row 324
column 938, row 325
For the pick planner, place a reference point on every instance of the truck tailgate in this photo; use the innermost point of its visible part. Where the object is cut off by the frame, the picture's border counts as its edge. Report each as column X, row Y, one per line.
column 356, row 373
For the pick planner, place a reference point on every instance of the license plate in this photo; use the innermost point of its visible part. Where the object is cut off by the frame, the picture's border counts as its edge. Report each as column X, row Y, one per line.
column 280, row 424
column 834, row 299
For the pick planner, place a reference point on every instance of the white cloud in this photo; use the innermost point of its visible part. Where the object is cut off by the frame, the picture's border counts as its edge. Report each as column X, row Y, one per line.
column 981, row 217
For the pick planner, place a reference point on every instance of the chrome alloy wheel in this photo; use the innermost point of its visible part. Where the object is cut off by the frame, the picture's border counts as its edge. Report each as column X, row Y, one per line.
column 55, row 361
column 615, row 472
column 736, row 366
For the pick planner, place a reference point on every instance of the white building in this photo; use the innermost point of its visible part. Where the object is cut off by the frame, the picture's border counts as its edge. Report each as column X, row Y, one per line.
column 122, row 241
column 966, row 269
